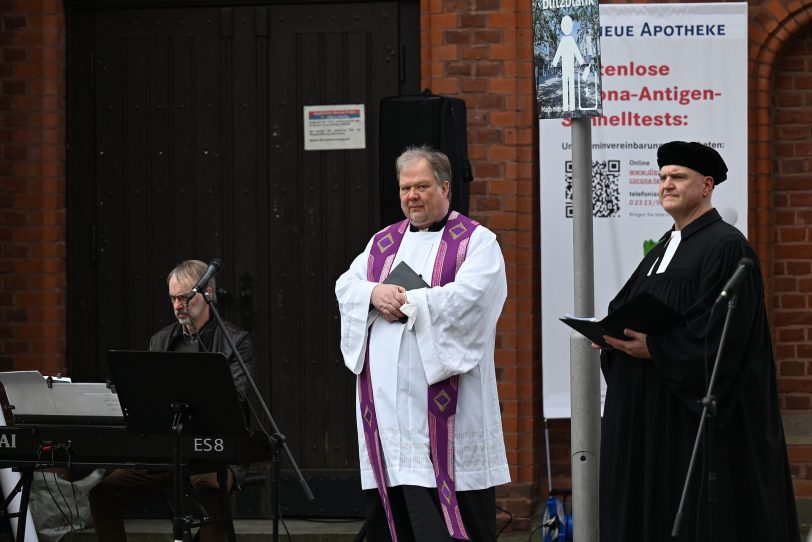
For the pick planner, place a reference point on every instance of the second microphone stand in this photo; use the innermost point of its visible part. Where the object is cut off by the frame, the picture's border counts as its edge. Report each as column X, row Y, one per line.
column 706, row 428
column 276, row 439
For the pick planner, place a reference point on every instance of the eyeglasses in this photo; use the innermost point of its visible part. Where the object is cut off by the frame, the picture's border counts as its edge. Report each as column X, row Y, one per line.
column 175, row 298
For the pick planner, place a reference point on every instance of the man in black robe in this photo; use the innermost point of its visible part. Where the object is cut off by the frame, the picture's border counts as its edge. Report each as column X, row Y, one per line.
column 655, row 383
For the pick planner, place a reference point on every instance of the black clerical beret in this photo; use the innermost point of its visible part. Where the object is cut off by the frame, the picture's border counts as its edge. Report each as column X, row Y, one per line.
column 694, row 155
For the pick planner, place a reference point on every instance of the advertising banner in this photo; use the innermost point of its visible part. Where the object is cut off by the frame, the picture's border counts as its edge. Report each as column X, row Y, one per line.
column 668, row 72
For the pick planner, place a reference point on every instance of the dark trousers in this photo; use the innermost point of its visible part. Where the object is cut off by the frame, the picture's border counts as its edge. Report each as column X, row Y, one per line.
column 418, row 518
column 124, row 487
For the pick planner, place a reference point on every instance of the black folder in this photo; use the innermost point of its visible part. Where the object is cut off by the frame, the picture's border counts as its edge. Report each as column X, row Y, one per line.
column 644, row 313
column 404, row 276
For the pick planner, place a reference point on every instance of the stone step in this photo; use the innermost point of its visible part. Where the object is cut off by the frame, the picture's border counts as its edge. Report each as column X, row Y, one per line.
column 248, row 530
column 256, row 530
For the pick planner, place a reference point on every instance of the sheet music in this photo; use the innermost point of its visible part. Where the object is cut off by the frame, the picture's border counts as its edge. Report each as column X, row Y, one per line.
column 26, row 392
column 28, row 398
column 86, row 399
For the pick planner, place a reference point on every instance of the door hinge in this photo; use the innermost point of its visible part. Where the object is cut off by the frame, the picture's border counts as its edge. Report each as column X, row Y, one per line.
column 93, row 244
column 402, row 63
column 91, row 84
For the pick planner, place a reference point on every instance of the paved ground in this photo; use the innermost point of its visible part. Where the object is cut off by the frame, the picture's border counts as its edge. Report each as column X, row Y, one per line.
column 255, row 530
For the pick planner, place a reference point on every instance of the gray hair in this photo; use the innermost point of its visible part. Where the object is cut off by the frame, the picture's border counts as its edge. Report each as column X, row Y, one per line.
column 192, row 270
column 438, row 162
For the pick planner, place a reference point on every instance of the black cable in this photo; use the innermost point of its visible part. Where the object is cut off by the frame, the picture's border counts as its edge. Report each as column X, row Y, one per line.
column 242, row 395
column 282, row 521
column 45, row 481
column 201, row 341
column 64, row 499
column 535, row 529
column 73, row 490
column 705, row 348
column 194, row 336
column 264, row 430
column 508, row 522
column 285, row 526
column 53, row 498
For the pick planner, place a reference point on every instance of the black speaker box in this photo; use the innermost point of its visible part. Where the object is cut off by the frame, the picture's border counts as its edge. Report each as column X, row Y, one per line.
column 424, row 119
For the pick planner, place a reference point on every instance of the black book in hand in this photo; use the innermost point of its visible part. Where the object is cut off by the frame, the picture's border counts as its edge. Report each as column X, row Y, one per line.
column 403, row 275
column 644, row 313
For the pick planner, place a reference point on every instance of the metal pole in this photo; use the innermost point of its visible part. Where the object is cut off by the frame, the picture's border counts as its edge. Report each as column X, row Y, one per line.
column 584, row 360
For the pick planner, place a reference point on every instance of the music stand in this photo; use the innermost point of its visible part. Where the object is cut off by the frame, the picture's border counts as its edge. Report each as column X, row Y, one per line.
column 177, row 393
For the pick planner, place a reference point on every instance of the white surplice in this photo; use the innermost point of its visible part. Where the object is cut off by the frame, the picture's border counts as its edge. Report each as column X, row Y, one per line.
column 454, row 334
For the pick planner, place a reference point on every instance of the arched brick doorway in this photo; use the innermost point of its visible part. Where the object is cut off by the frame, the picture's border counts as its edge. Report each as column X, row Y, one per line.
column 781, row 193
column 791, row 200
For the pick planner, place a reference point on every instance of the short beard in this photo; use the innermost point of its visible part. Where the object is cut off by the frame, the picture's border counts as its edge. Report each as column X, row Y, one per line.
column 184, row 320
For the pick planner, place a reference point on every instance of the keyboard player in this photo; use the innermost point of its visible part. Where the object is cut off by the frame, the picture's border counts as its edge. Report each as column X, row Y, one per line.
column 194, row 331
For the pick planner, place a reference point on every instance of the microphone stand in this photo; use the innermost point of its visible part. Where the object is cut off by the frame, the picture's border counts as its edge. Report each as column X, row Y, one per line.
column 276, row 439
column 180, row 522
column 709, row 408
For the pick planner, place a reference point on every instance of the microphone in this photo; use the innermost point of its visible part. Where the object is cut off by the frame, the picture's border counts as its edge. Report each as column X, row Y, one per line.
column 214, row 268
column 745, row 265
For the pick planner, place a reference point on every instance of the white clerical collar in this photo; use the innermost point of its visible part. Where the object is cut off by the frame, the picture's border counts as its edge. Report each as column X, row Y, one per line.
column 436, row 226
column 672, row 244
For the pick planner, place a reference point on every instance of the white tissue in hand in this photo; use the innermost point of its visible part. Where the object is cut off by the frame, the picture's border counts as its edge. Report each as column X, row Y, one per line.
column 410, row 310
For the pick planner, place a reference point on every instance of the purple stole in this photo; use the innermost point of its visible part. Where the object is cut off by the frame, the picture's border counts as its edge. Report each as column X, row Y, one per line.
column 442, row 396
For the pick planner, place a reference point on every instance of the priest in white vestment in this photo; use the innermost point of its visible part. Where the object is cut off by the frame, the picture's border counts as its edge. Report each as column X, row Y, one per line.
column 417, row 338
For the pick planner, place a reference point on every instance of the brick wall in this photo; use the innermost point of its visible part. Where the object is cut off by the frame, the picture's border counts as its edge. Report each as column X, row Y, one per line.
column 779, row 42
column 480, row 51
column 792, row 237
column 32, row 185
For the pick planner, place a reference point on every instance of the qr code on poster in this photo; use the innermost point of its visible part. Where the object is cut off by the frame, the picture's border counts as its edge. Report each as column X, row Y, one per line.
column 605, row 189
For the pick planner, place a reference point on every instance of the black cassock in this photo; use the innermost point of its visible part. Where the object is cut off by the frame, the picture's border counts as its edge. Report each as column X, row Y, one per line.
column 651, row 412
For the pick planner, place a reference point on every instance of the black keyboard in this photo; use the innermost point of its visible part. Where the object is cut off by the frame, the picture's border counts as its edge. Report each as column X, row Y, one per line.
column 92, row 444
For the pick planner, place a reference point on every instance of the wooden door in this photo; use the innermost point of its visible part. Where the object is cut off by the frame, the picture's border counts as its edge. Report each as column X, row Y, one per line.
column 186, row 140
